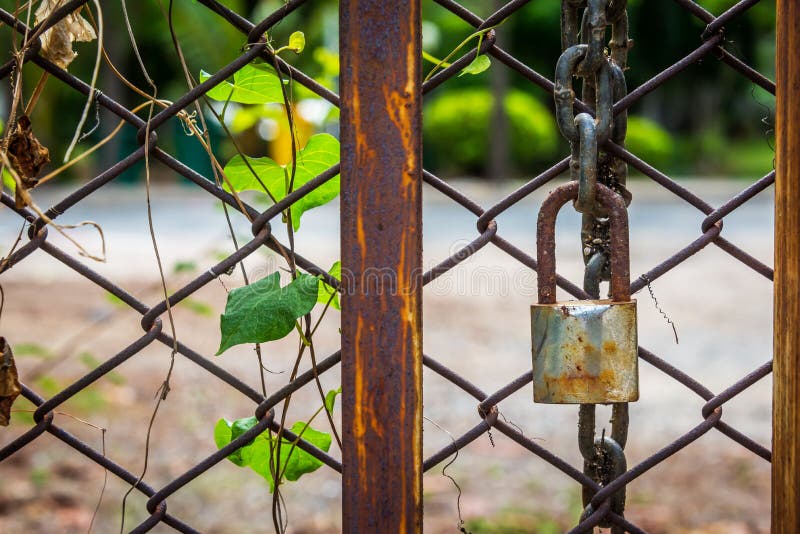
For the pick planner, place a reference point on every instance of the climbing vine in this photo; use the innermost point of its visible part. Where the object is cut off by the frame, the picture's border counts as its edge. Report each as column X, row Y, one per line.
column 265, row 310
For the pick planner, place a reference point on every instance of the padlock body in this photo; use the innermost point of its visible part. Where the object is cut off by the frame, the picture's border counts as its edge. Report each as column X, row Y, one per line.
column 585, row 352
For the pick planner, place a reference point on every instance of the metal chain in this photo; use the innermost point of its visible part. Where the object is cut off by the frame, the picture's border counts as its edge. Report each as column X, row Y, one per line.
column 603, row 457
column 584, row 55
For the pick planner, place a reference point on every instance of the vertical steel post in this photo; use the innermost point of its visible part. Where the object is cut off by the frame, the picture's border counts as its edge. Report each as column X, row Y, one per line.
column 786, row 395
column 381, row 229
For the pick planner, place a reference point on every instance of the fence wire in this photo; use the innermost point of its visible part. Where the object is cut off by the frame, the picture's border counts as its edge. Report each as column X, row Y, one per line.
column 712, row 44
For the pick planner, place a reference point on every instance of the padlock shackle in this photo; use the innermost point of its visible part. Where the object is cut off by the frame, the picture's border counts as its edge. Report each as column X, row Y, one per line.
column 546, row 240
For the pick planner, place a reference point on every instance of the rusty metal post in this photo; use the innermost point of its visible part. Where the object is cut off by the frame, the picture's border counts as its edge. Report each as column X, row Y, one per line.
column 381, row 229
column 786, row 396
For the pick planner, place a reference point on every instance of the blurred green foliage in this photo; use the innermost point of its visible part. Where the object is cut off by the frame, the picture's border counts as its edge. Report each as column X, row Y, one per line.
column 703, row 114
column 708, row 120
column 456, row 130
column 650, row 142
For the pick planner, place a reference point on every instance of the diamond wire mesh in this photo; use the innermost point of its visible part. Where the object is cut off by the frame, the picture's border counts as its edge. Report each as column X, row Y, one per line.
column 711, row 228
column 710, row 233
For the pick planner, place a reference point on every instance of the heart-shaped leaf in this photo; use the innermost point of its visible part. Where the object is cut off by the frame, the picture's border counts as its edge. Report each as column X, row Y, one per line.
column 330, row 399
column 255, row 83
column 293, row 462
column 264, row 311
column 477, row 65
column 223, row 434
column 328, row 293
column 297, row 42
column 320, row 153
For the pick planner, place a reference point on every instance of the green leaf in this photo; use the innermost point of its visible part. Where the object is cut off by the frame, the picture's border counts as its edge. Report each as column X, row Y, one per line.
column 477, row 65
column 300, row 462
column 265, row 311
column 269, row 173
column 325, row 290
column 330, row 399
column 320, row 153
column 255, row 83
column 292, row 461
column 240, row 426
column 297, row 42
column 223, row 434
column 247, row 117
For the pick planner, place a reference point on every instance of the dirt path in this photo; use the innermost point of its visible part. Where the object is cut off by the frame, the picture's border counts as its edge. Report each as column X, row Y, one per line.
column 476, row 321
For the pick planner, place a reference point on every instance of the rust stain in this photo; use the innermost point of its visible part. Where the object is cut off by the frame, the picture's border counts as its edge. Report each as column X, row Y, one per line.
column 579, row 384
column 607, row 376
column 398, row 106
column 609, row 347
column 573, row 366
column 359, row 407
column 361, row 146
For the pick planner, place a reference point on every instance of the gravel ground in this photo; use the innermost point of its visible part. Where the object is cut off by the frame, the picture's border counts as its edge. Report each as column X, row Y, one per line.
column 476, row 321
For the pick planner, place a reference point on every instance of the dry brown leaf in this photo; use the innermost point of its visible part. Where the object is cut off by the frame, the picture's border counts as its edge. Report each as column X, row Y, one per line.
column 57, row 41
column 27, row 155
column 9, row 382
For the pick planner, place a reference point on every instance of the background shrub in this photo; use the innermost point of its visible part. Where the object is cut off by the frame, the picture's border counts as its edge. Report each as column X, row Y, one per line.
column 456, row 132
column 650, row 142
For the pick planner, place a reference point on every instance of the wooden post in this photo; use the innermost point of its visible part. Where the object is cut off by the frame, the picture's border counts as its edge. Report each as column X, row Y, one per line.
column 381, row 266
column 786, row 395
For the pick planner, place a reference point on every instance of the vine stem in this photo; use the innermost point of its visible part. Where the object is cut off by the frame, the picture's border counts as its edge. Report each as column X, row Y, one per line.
column 92, row 85
column 443, row 63
column 164, row 389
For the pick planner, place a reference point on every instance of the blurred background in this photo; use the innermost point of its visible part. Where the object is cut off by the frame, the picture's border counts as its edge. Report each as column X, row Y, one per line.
column 486, row 134
column 709, row 122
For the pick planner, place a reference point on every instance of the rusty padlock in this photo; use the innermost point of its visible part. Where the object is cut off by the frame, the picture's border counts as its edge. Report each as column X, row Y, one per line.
column 584, row 351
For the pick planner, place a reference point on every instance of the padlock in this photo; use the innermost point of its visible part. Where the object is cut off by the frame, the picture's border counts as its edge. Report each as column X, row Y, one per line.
column 584, row 351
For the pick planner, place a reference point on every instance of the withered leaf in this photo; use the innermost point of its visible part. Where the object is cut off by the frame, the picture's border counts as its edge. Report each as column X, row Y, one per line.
column 57, row 41
column 27, row 155
column 9, row 382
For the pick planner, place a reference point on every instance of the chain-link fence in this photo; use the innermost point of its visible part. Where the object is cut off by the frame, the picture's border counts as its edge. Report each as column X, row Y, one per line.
column 601, row 508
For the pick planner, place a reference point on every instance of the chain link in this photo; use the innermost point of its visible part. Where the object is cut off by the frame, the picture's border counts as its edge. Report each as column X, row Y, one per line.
column 47, row 423
column 584, row 55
